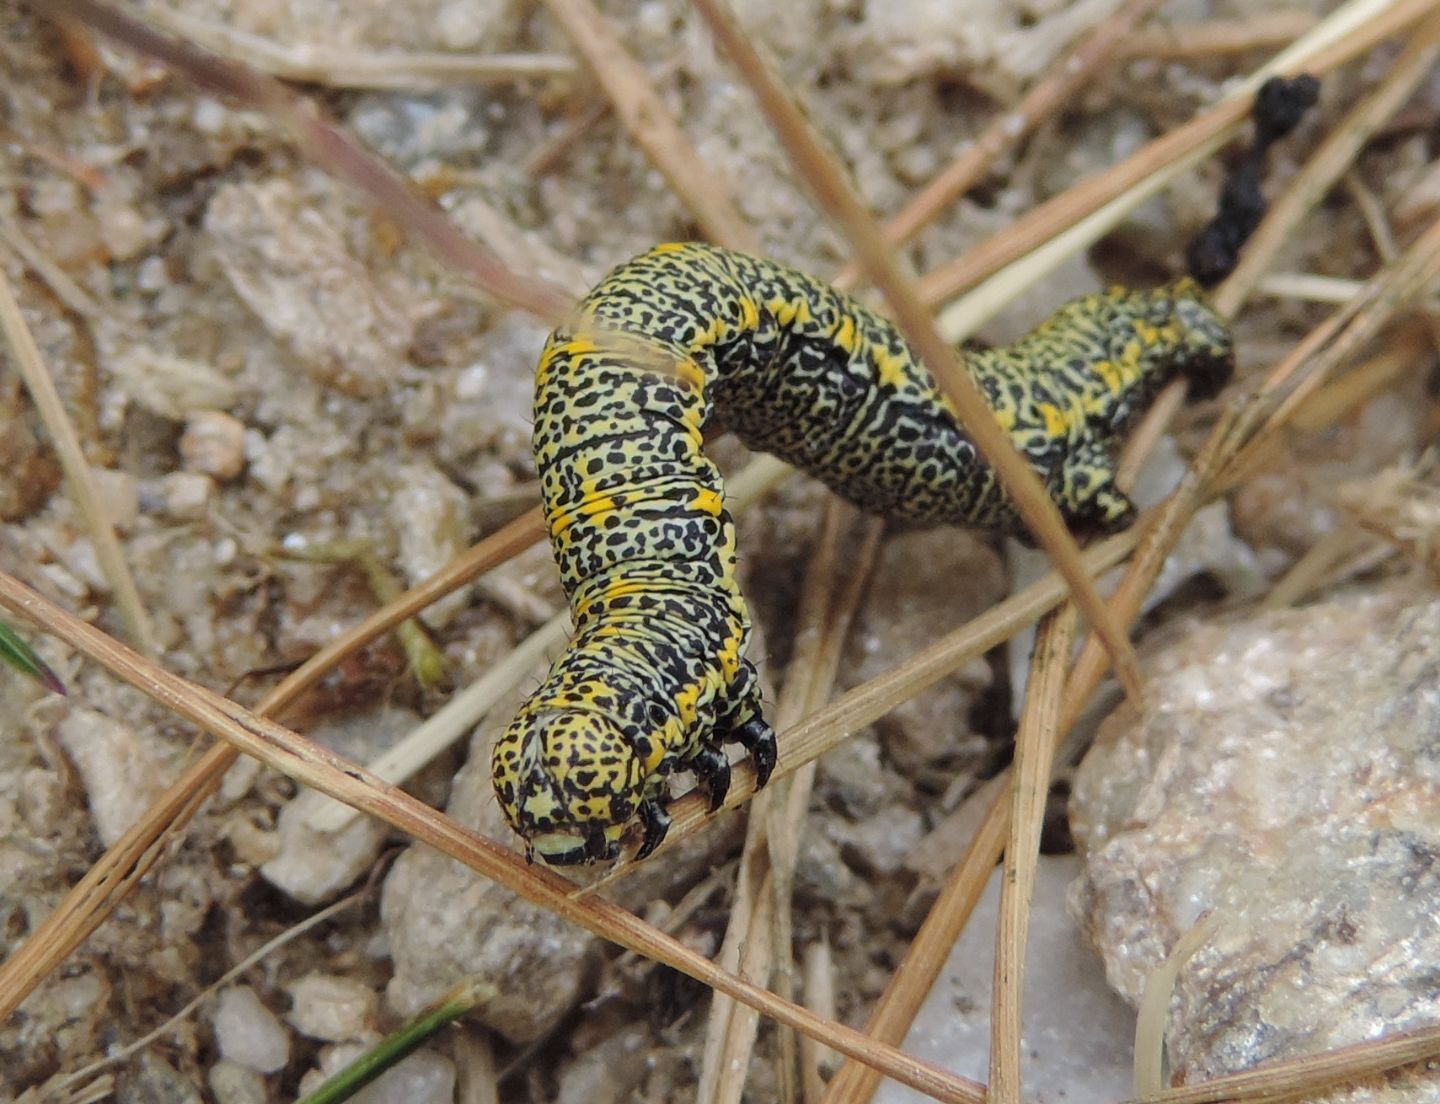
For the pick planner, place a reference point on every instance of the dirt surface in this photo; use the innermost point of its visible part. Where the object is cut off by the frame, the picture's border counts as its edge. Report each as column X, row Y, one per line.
column 253, row 357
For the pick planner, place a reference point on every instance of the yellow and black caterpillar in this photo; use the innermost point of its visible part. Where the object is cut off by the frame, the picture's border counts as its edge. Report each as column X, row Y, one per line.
column 655, row 678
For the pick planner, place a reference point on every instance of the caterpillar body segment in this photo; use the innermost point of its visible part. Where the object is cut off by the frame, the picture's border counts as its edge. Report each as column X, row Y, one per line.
column 654, row 679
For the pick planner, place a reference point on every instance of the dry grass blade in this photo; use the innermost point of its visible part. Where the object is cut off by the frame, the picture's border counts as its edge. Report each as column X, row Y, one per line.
column 1304, row 1076
column 1079, row 215
column 730, row 1031
column 1314, row 565
column 322, row 770
column 838, row 581
column 70, row 293
column 1035, row 744
column 820, row 170
column 31, row 366
column 109, row 879
column 358, row 69
column 327, row 146
column 1308, row 287
column 651, row 125
column 820, row 996
column 1152, row 1013
column 1007, row 130
column 1262, row 31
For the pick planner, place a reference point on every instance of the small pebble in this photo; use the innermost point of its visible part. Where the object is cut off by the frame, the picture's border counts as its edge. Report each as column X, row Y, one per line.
column 331, row 1008
column 118, row 769
column 185, row 496
column 213, row 444
column 248, row 1033
column 315, row 866
column 122, row 229
column 234, row 1084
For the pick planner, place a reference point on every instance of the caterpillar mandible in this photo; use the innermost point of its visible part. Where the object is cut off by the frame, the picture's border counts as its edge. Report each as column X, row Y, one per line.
column 655, row 678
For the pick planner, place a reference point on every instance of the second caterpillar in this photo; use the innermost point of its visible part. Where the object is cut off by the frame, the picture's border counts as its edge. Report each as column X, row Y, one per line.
column 655, row 678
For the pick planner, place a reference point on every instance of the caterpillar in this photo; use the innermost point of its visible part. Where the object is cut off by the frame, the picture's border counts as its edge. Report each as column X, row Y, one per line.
column 655, row 679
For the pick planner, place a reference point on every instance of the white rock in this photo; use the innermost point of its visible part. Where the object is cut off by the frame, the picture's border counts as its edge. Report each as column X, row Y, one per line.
column 213, row 444
column 169, row 386
column 314, row 866
column 432, row 516
column 285, row 254
column 1284, row 779
column 336, row 1009
column 247, row 1033
column 119, row 495
column 185, row 496
column 121, row 774
column 236, row 1084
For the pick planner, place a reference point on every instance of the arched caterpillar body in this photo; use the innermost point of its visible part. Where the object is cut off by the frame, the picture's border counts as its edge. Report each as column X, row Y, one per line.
column 655, row 678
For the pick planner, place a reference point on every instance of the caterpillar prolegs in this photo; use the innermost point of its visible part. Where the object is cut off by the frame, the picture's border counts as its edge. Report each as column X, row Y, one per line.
column 654, row 679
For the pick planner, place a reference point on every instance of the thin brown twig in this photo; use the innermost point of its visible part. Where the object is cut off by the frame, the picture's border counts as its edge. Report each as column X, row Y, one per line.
column 1377, row 221
column 1296, row 1077
column 353, row 68
column 1007, row 130
column 1264, row 30
column 1035, row 744
column 644, row 114
column 26, row 357
column 321, row 769
column 818, row 167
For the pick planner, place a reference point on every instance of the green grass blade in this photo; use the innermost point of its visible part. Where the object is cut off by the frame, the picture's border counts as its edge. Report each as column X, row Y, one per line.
column 399, row 1044
column 19, row 655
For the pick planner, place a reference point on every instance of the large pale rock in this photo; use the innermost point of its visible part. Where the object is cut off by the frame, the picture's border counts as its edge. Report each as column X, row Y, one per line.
column 1287, row 777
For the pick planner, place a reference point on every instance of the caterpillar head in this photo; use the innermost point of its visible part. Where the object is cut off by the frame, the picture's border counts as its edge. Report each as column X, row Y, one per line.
column 1207, row 354
column 568, row 780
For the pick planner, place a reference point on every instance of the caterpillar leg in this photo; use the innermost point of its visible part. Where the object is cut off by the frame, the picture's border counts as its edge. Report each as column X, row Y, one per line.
column 712, row 770
column 654, row 824
column 747, row 726
column 758, row 738
column 1090, row 499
